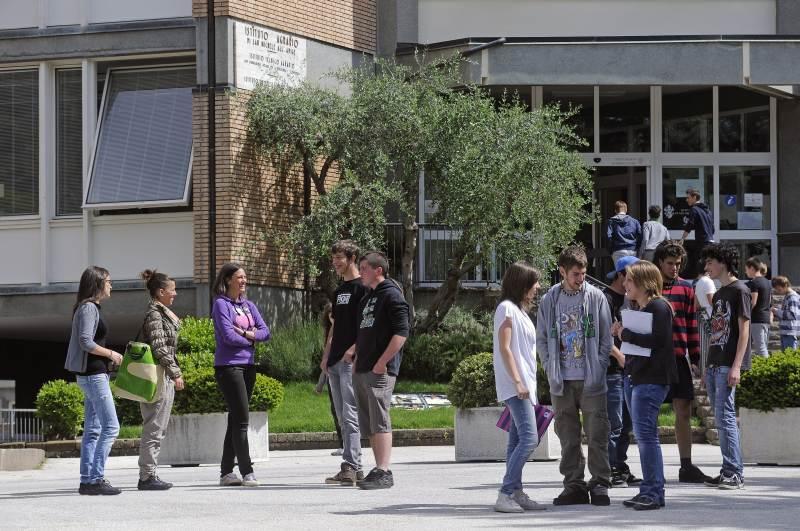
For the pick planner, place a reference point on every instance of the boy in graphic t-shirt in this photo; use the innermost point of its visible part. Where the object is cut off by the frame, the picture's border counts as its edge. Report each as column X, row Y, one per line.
column 728, row 356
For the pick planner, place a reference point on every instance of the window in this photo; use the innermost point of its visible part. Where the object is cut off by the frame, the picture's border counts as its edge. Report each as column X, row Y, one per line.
column 743, row 120
column 580, row 99
column 687, row 116
column 744, row 198
column 144, row 148
column 624, row 119
column 69, row 143
column 675, row 182
column 761, row 249
column 19, row 143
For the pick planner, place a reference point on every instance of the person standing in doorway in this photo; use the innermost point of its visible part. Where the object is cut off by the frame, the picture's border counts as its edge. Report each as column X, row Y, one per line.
column 89, row 359
column 573, row 339
column 728, row 356
column 624, row 232
column 619, row 418
column 761, row 294
column 382, row 332
column 701, row 221
column 670, row 259
column 653, row 233
column 337, row 361
column 788, row 315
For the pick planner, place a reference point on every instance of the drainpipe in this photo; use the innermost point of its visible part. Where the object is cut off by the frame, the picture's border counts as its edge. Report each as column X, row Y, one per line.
column 211, row 44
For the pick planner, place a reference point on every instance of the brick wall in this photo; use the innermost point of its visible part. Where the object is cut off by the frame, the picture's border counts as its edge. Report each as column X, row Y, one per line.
column 348, row 23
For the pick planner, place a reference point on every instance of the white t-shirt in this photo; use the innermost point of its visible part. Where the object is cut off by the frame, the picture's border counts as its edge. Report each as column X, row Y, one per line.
column 523, row 347
column 705, row 286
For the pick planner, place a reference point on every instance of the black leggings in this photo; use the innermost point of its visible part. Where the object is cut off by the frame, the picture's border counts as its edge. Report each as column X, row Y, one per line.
column 236, row 383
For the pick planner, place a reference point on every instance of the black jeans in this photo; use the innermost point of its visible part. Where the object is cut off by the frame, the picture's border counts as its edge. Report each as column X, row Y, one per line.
column 236, row 383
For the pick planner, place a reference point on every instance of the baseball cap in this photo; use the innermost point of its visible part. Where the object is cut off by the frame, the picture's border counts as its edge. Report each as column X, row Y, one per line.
column 622, row 263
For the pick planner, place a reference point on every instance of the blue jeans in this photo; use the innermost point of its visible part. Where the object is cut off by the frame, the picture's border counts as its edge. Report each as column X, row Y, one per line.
column 723, row 400
column 788, row 342
column 100, row 426
column 522, row 441
column 619, row 423
column 644, row 402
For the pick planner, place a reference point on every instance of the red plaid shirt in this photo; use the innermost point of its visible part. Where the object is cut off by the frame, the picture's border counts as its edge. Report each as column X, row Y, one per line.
column 685, row 335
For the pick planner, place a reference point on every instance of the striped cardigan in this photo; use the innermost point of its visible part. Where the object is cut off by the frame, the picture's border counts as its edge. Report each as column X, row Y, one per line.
column 685, row 335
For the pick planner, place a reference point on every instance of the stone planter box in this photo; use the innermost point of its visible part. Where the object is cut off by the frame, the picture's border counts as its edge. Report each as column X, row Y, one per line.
column 196, row 439
column 479, row 439
column 770, row 437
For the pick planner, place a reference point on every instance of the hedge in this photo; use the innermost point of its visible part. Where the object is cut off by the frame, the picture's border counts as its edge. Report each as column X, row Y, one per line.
column 772, row 383
column 60, row 406
column 202, row 395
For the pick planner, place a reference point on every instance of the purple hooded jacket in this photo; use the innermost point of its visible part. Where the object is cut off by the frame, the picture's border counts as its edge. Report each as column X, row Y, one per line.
column 232, row 348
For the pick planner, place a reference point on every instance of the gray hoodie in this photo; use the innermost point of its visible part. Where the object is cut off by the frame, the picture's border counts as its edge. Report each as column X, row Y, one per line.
column 597, row 335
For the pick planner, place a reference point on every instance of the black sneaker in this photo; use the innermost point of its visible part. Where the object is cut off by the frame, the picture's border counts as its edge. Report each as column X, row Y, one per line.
column 639, row 499
column 599, row 499
column 572, row 497
column 377, row 479
column 692, row 474
column 646, row 503
column 153, row 483
column 617, row 478
column 84, row 488
column 731, row 482
column 713, row 482
column 632, row 480
column 633, row 501
column 103, row 488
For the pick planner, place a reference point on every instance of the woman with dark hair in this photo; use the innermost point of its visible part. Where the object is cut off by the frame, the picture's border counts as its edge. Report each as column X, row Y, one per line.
column 89, row 359
column 515, row 379
column 160, row 331
column 237, row 327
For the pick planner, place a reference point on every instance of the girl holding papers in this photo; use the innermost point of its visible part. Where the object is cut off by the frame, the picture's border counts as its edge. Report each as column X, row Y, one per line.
column 649, row 371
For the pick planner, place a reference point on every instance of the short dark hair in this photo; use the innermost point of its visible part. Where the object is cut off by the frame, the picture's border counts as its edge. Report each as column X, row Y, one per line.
column 756, row 264
column 347, row 248
column 669, row 249
column 574, row 255
column 619, row 206
column 694, row 192
column 92, row 283
column 154, row 281
column 654, row 211
column 518, row 279
column 224, row 276
column 724, row 253
column 376, row 259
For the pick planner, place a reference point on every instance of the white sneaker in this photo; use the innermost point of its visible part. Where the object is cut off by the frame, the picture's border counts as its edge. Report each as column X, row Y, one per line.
column 338, row 451
column 250, row 480
column 230, row 480
column 525, row 502
column 505, row 504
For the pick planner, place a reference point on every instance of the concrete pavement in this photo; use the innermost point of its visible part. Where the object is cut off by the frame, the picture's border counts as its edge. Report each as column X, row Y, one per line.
column 431, row 491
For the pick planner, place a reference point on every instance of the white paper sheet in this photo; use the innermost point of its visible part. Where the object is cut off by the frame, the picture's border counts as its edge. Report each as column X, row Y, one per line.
column 641, row 323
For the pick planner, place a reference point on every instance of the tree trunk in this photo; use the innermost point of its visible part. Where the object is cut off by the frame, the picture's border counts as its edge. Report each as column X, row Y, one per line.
column 447, row 292
column 410, row 230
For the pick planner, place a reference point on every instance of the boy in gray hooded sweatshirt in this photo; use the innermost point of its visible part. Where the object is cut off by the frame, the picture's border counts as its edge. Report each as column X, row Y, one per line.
column 573, row 339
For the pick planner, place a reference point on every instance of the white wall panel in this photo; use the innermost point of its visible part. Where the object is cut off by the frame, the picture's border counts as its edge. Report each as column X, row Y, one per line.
column 127, row 10
column 442, row 20
column 19, row 14
column 64, row 12
column 21, row 255
column 64, row 254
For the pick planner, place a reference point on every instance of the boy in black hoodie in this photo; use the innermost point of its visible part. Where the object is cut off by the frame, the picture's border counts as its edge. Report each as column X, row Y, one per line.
column 701, row 221
column 382, row 333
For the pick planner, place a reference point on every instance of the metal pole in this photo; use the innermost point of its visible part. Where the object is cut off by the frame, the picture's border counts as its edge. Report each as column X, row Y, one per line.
column 212, row 150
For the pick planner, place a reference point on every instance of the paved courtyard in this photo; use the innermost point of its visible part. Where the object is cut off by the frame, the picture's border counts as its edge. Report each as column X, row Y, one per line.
column 431, row 491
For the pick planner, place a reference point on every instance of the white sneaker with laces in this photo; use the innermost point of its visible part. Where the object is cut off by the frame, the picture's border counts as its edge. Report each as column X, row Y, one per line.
column 505, row 504
column 525, row 502
column 338, row 451
column 230, row 480
column 250, row 480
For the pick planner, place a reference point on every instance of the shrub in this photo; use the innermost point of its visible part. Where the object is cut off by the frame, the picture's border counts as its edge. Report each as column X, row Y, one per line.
column 128, row 412
column 60, row 406
column 202, row 395
column 473, row 382
column 190, row 361
column 196, row 335
column 434, row 357
column 772, row 383
column 294, row 352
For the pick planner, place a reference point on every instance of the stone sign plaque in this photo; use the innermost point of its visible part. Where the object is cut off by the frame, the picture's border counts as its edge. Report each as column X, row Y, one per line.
column 264, row 55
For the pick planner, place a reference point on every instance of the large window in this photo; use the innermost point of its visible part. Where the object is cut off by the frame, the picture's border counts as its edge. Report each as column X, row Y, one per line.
column 687, row 119
column 69, row 143
column 744, row 194
column 143, row 153
column 675, row 182
column 579, row 99
column 19, row 143
column 624, row 119
column 743, row 120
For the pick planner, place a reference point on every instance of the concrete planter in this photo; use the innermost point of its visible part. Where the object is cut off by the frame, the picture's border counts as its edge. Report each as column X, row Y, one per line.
column 196, row 439
column 479, row 439
column 770, row 437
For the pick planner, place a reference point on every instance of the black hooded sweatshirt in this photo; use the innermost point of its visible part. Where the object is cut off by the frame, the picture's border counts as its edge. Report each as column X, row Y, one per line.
column 702, row 221
column 384, row 313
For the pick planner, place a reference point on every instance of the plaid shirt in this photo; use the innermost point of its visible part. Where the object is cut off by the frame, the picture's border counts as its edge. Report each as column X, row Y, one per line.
column 789, row 315
column 685, row 335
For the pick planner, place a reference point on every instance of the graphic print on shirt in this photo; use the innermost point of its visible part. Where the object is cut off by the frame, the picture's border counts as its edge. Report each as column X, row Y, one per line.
column 343, row 298
column 368, row 313
column 721, row 323
column 572, row 337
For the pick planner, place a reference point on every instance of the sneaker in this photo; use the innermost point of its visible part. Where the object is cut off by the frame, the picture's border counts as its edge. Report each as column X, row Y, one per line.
column 633, row 501
column 731, row 482
column 632, row 480
column 338, row 451
column 230, row 480
column 153, row 483
column 380, row 479
column 101, row 488
column 692, row 474
column 713, row 482
column 599, row 499
column 506, row 504
column 84, row 489
column 523, row 501
column 346, row 476
column 617, row 478
column 572, row 497
column 249, row 480
column 646, row 503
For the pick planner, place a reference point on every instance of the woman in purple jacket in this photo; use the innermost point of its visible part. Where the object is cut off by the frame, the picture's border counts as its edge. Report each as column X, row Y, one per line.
column 237, row 328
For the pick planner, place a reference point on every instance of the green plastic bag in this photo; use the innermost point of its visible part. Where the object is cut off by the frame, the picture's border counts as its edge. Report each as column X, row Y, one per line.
column 139, row 377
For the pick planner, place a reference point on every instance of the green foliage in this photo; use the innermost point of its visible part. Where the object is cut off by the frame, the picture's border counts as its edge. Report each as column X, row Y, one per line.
column 202, row 394
column 772, row 383
column 196, row 335
column 128, row 411
column 60, row 406
column 294, row 352
column 191, row 361
column 473, row 382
